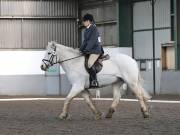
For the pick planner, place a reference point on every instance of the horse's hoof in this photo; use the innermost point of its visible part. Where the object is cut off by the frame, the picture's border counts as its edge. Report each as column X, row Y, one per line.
column 98, row 116
column 64, row 117
column 146, row 114
column 110, row 113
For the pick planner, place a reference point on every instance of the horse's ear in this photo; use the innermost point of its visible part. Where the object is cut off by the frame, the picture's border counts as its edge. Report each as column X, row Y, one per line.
column 53, row 44
column 49, row 43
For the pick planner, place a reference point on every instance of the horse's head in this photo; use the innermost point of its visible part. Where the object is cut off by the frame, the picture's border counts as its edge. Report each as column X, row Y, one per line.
column 50, row 57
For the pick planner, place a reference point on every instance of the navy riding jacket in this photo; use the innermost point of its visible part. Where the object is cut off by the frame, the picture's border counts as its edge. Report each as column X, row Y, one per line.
column 91, row 43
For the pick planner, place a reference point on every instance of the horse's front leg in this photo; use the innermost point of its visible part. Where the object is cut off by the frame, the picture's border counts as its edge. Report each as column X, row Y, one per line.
column 88, row 100
column 75, row 90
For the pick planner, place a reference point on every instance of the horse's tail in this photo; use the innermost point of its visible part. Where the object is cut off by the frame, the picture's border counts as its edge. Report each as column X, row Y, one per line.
column 146, row 95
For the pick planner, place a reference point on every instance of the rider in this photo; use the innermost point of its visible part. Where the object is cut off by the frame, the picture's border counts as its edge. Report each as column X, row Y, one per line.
column 91, row 47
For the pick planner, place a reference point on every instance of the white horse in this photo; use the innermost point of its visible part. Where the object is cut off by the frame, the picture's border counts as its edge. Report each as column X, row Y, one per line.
column 117, row 70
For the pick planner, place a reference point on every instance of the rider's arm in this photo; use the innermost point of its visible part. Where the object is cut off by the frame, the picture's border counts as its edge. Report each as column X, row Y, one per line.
column 82, row 47
column 92, row 40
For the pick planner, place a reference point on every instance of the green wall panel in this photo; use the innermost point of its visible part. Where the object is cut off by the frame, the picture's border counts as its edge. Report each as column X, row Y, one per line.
column 125, row 23
column 177, row 33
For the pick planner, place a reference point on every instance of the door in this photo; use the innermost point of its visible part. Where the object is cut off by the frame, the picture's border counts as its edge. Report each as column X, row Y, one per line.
column 151, row 29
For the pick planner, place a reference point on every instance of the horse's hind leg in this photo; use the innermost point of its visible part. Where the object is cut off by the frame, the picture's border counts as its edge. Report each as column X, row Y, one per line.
column 139, row 93
column 116, row 98
column 88, row 100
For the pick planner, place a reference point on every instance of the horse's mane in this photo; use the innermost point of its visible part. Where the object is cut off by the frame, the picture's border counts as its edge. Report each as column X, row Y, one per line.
column 70, row 49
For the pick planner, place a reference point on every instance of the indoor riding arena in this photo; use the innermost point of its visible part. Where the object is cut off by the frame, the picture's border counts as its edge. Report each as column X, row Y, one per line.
column 37, row 102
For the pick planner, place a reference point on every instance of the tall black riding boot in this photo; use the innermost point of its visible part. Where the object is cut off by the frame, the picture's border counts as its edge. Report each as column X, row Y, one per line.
column 93, row 78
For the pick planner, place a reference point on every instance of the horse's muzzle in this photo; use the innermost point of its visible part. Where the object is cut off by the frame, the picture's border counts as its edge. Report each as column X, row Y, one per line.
column 43, row 68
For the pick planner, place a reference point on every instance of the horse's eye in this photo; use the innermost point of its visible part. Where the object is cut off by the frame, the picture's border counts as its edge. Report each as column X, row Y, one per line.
column 49, row 53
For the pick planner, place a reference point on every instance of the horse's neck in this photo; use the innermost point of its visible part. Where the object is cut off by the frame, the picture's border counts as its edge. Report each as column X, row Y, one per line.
column 66, row 53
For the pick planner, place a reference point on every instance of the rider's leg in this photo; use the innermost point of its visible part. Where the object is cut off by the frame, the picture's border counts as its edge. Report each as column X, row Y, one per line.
column 92, row 78
column 92, row 59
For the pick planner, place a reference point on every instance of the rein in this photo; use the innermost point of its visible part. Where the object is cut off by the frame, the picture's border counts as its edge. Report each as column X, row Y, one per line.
column 69, row 59
column 53, row 55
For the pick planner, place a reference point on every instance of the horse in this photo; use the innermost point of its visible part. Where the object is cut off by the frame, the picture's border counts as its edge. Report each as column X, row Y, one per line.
column 116, row 71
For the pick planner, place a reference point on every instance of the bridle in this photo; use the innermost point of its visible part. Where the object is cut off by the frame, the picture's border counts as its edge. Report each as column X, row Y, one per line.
column 51, row 60
column 54, row 55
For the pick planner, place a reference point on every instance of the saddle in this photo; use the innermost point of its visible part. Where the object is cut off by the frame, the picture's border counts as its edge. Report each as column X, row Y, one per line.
column 98, row 64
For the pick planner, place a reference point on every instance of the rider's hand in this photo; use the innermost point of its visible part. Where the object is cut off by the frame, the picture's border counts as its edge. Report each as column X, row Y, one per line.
column 81, row 53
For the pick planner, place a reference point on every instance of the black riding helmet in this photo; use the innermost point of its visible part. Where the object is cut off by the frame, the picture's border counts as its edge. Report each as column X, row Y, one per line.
column 89, row 17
